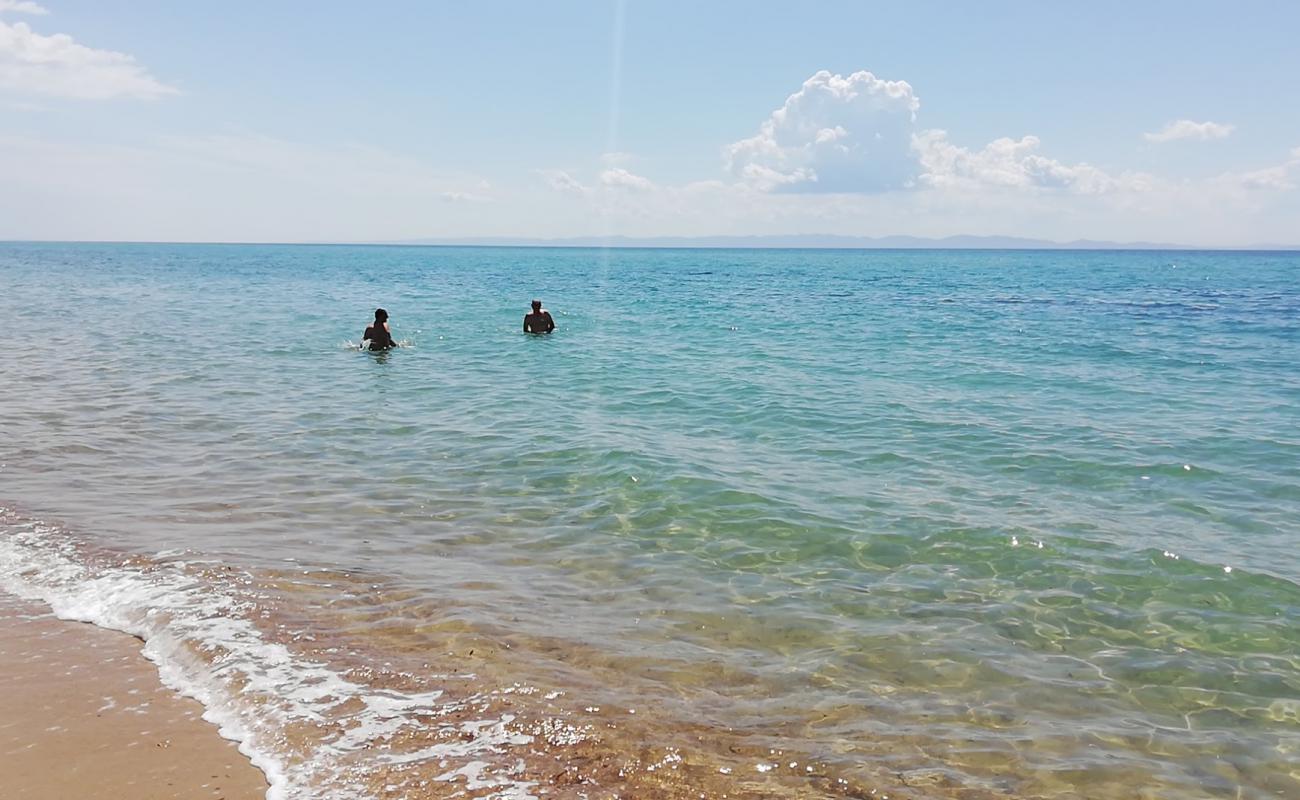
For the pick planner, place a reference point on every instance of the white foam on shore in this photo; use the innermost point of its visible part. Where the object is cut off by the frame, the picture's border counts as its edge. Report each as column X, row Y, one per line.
column 205, row 647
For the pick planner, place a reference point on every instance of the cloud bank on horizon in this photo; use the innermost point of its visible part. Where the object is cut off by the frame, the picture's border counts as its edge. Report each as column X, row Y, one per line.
column 858, row 135
column 856, row 138
column 844, row 153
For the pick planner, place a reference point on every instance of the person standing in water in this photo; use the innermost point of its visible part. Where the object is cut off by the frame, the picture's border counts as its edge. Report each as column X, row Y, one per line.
column 539, row 320
column 378, row 333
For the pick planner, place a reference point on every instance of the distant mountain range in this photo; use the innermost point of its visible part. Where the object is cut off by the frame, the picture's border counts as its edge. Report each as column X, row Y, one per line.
column 828, row 241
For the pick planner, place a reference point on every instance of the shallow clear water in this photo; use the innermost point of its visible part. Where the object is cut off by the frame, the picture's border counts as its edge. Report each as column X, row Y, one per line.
column 938, row 523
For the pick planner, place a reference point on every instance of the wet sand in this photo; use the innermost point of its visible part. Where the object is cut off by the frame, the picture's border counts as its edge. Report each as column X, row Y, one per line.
column 82, row 714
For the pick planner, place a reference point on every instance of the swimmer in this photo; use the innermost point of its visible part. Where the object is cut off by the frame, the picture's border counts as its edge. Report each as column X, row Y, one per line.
column 378, row 333
column 539, row 320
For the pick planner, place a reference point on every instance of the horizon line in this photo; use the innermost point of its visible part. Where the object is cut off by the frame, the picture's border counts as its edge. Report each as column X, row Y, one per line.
column 622, row 242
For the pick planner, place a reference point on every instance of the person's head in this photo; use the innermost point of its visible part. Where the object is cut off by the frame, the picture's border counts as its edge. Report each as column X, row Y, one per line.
column 537, row 305
column 381, row 315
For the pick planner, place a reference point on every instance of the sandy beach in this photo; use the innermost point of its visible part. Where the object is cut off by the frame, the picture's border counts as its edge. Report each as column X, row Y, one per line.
column 84, row 716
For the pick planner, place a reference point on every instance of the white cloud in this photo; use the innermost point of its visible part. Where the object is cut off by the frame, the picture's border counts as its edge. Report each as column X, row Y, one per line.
column 836, row 134
column 253, row 188
column 611, row 179
column 1013, row 163
column 22, row 7
column 31, row 63
column 561, row 181
column 1275, row 178
column 1282, row 177
column 1187, row 129
column 846, row 155
column 856, row 135
column 464, row 197
column 619, row 178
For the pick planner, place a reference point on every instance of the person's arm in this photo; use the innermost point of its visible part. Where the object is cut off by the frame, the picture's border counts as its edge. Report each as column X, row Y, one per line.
column 526, row 330
column 550, row 322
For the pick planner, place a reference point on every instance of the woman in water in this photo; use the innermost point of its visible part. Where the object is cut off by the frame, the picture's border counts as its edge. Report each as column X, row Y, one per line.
column 378, row 334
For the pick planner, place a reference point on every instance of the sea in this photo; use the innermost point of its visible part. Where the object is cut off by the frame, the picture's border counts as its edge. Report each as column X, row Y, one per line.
column 748, row 524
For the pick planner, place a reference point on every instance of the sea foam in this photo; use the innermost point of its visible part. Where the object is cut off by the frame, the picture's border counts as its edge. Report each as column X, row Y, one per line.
column 205, row 646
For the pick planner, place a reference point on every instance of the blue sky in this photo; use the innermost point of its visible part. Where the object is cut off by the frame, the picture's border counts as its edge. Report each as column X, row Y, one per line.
column 332, row 121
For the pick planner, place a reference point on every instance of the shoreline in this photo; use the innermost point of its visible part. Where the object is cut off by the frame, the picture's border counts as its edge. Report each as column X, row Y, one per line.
column 395, row 722
column 86, row 715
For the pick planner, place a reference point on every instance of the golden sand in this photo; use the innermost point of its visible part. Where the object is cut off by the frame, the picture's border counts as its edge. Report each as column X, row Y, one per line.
column 83, row 715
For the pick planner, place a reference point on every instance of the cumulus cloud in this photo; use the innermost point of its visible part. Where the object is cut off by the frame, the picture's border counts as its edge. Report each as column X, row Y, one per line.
column 857, row 135
column 836, row 134
column 31, row 63
column 1013, row 163
column 1187, row 129
column 22, row 7
column 619, row 178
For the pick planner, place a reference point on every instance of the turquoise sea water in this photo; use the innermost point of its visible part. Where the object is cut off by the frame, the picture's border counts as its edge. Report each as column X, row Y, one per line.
column 793, row 523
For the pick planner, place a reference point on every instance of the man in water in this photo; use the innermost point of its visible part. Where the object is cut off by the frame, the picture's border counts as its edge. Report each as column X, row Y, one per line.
column 378, row 334
column 539, row 320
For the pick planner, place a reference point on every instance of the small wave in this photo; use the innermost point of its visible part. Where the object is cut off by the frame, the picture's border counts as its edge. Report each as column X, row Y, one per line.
column 1141, row 306
column 364, row 344
column 1018, row 300
column 205, row 644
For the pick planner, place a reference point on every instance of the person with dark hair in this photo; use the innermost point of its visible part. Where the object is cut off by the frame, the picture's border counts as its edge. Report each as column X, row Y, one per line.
column 539, row 321
column 378, row 334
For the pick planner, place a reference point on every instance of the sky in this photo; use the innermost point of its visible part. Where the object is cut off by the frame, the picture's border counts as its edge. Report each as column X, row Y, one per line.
column 156, row 120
